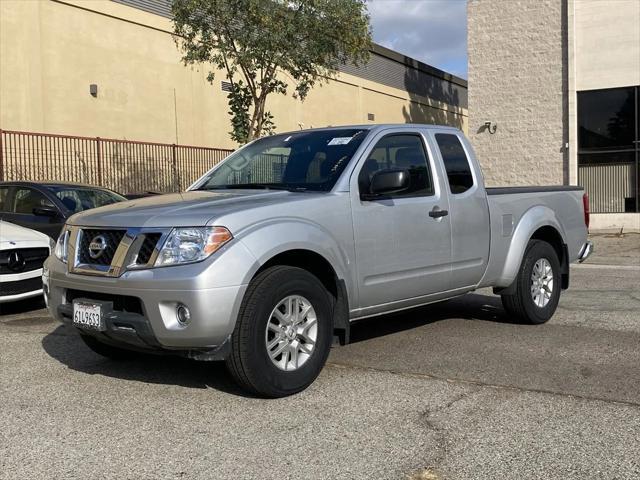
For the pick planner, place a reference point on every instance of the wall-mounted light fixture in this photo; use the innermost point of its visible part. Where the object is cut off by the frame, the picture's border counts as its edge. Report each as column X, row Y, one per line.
column 93, row 90
column 491, row 127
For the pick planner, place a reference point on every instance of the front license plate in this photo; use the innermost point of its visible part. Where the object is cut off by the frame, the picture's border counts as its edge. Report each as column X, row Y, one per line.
column 88, row 316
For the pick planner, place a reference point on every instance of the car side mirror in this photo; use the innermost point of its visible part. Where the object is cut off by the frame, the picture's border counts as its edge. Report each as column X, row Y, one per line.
column 386, row 182
column 45, row 211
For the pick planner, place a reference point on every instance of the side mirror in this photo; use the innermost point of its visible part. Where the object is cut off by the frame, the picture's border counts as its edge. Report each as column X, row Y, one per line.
column 46, row 211
column 385, row 182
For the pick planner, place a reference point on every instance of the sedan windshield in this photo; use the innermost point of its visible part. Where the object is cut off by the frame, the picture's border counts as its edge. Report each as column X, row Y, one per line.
column 311, row 160
column 79, row 199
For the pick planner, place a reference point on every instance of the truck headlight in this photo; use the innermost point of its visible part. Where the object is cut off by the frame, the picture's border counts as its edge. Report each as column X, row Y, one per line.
column 62, row 245
column 188, row 245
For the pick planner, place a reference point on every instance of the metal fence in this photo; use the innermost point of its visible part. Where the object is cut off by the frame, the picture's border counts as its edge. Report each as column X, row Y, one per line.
column 611, row 187
column 122, row 165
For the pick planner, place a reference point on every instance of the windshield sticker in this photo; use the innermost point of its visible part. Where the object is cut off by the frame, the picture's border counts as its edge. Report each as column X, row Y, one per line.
column 340, row 141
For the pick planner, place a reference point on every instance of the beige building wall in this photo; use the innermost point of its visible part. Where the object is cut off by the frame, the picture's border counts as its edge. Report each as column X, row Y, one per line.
column 607, row 37
column 51, row 51
column 516, row 82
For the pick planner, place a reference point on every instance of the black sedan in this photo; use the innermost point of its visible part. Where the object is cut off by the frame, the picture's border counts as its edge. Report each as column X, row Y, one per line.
column 46, row 206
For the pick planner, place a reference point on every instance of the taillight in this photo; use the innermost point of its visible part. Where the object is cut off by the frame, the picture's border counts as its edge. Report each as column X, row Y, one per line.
column 585, row 207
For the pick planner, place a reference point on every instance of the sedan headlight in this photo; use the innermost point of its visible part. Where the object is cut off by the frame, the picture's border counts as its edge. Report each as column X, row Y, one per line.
column 188, row 245
column 60, row 250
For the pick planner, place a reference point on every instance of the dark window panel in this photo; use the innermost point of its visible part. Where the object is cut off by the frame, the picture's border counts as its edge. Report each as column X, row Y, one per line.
column 606, row 118
column 26, row 199
column 3, row 199
column 455, row 162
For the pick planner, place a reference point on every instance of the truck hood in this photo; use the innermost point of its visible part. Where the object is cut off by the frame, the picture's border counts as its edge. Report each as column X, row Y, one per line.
column 188, row 209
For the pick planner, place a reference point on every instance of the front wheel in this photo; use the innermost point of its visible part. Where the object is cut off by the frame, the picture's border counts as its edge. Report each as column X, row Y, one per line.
column 537, row 285
column 283, row 333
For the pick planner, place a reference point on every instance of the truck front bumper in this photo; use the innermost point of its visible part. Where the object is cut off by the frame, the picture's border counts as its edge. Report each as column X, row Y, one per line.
column 140, row 307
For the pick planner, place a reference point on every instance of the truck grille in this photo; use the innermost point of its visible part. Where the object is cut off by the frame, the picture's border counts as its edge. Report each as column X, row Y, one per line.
column 20, row 286
column 147, row 247
column 95, row 249
column 22, row 259
column 110, row 238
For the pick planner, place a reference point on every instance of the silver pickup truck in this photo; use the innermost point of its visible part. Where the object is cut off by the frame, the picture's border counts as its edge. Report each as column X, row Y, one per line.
column 275, row 251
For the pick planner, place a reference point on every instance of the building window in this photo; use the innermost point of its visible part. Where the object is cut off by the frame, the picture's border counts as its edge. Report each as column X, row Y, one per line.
column 609, row 148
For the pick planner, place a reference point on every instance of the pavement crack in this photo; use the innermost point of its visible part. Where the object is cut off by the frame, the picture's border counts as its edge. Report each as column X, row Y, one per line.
column 429, row 420
column 496, row 386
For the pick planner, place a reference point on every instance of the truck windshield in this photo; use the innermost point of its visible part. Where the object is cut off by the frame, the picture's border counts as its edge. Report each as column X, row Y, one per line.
column 300, row 161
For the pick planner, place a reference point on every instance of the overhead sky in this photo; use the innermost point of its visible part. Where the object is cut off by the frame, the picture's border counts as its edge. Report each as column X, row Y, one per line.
column 432, row 31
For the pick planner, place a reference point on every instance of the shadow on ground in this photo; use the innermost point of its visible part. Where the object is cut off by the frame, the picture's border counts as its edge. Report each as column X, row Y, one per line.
column 469, row 307
column 66, row 346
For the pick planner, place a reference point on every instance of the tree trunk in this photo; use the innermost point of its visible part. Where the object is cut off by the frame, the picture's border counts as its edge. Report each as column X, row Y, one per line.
column 257, row 120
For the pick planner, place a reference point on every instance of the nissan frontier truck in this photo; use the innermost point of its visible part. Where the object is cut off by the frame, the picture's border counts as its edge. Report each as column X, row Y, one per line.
column 276, row 250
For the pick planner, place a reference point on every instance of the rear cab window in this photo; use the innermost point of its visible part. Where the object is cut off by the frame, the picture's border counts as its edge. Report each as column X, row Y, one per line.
column 455, row 162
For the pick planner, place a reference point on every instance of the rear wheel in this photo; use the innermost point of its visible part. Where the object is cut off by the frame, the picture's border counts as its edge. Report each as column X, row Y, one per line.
column 537, row 285
column 283, row 333
column 109, row 351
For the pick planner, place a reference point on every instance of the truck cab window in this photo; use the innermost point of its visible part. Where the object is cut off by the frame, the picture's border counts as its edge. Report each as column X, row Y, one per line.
column 399, row 151
column 456, row 162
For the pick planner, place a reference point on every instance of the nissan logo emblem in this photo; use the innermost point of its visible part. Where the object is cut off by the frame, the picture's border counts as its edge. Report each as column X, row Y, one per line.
column 16, row 262
column 97, row 246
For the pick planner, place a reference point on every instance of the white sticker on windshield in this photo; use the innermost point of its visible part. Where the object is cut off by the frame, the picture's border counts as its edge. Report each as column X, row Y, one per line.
column 340, row 141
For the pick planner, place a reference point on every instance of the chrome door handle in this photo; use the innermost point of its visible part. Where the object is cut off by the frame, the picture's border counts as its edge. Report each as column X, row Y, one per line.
column 437, row 213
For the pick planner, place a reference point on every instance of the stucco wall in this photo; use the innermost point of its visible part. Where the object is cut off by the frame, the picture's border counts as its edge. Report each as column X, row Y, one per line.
column 51, row 51
column 516, row 64
column 607, row 39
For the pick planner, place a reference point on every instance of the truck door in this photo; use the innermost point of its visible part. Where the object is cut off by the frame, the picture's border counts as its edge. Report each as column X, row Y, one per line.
column 402, row 240
column 469, row 211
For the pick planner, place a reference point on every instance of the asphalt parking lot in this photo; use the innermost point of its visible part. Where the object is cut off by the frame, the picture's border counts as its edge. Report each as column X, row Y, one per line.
column 453, row 390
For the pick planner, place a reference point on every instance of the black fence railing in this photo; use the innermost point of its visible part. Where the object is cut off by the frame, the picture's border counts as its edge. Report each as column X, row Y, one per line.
column 122, row 165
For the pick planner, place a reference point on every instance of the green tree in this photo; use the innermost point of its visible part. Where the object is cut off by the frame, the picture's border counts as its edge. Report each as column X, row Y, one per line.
column 261, row 44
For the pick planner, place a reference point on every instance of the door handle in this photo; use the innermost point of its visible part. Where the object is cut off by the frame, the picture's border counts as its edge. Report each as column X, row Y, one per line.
column 437, row 213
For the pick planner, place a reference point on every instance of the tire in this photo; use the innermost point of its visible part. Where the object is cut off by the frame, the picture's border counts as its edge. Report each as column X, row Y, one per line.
column 250, row 362
column 108, row 351
column 524, row 305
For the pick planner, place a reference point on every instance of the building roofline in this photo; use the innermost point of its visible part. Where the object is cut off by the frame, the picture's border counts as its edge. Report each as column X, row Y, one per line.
column 417, row 64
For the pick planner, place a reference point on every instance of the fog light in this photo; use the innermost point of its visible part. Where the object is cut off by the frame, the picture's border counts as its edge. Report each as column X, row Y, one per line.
column 183, row 314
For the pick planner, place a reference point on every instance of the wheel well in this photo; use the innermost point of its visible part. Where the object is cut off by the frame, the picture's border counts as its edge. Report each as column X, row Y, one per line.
column 312, row 262
column 320, row 267
column 552, row 237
